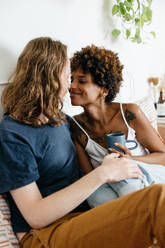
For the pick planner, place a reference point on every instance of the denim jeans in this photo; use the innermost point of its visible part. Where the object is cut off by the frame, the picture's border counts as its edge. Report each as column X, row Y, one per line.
column 153, row 174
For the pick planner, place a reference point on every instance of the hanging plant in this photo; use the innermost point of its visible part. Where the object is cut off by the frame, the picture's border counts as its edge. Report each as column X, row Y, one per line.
column 135, row 16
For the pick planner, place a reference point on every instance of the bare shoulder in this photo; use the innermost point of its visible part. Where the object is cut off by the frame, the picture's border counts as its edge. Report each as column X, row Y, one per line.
column 115, row 105
column 132, row 112
column 133, row 107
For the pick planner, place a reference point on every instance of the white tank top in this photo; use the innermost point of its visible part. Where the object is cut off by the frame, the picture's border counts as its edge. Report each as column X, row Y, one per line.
column 97, row 153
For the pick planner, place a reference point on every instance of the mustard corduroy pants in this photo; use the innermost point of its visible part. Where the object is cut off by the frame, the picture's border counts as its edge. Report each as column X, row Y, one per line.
column 131, row 221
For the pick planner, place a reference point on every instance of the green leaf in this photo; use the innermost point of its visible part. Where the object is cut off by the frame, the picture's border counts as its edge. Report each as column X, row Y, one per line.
column 137, row 32
column 153, row 34
column 122, row 9
column 115, row 9
column 116, row 33
column 137, row 36
column 148, row 14
column 137, row 22
column 135, row 39
column 141, row 22
column 127, row 17
column 149, row 2
column 128, row 33
column 127, row 4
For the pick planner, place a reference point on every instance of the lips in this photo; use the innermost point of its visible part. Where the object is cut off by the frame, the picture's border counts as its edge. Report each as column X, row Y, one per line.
column 72, row 94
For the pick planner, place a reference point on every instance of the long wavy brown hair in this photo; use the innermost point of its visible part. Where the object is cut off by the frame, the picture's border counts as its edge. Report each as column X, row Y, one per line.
column 35, row 84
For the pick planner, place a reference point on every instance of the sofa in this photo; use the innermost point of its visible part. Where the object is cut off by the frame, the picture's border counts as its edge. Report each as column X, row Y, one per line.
column 7, row 237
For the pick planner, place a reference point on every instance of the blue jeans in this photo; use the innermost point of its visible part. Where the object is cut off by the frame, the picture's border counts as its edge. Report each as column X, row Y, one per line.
column 153, row 174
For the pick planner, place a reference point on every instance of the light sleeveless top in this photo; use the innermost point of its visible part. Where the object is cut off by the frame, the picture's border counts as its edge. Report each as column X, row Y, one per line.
column 97, row 153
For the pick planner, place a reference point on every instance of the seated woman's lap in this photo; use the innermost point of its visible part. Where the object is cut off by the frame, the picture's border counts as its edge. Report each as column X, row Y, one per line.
column 110, row 191
column 110, row 224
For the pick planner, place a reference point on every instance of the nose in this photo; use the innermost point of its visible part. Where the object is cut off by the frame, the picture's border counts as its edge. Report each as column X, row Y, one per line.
column 73, row 84
column 69, row 86
column 69, row 82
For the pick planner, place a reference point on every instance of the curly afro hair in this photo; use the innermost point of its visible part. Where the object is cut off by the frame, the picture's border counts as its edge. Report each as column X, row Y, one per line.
column 104, row 65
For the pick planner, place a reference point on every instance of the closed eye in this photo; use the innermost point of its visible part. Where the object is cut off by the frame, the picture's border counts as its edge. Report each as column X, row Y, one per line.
column 82, row 81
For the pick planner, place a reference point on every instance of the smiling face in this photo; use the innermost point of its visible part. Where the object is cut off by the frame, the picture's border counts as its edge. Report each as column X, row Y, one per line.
column 83, row 90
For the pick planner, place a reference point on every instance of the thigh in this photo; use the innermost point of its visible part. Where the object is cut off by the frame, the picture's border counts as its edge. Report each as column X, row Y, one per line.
column 154, row 173
column 126, row 222
column 102, row 195
column 45, row 237
column 125, row 187
column 130, row 221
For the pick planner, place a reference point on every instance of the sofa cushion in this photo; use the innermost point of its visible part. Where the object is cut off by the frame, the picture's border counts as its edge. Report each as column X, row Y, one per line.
column 7, row 236
column 147, row 105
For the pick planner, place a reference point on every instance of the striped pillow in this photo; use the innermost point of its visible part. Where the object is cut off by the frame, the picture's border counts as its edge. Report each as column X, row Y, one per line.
column 7, row 236
column 147, row 105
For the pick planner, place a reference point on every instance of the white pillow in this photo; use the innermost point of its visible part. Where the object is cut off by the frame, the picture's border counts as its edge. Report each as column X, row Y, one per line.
column 147, row 105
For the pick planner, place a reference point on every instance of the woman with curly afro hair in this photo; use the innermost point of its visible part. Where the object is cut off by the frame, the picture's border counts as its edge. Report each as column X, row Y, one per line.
column 96, row 80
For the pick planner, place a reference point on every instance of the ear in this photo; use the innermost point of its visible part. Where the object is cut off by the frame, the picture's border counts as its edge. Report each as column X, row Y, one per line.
column 105, row 92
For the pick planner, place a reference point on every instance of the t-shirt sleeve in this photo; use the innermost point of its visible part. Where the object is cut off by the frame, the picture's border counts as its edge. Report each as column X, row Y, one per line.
column 18, row 166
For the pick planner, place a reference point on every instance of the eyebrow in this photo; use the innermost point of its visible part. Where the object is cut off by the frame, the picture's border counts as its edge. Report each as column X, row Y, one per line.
column 81, row 76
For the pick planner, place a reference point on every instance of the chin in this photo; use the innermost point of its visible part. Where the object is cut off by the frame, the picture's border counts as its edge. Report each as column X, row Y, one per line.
column 74, row 104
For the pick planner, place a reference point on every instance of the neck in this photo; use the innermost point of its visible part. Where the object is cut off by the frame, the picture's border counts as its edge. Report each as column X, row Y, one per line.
column 101, row 113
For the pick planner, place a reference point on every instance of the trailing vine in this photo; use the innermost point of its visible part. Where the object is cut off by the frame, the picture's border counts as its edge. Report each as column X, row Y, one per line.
column 135, row 15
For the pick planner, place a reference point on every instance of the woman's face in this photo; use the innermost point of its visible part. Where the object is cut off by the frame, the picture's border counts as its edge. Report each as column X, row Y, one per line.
column 65, row 80
column 83, row 90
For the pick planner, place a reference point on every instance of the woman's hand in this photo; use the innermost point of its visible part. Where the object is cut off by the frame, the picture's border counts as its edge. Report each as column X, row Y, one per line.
column 126, row 152
column 117, row 169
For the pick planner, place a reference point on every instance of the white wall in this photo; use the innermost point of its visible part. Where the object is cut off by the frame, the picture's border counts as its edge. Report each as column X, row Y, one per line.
column 79, row 23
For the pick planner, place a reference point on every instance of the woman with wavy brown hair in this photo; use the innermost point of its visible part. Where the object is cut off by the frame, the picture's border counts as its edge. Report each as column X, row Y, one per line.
column 39, row 171
column 32, row 92
column 96, row 81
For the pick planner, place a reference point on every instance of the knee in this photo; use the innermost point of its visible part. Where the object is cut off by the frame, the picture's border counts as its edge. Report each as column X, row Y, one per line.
column 101, row 195
column 157, row 188
column 156, row 192
column 129, row 186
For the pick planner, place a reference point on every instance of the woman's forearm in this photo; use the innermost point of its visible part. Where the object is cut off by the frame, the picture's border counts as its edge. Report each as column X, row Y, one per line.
column 62, row 202
column 40, row 212
column 152, row 158
column 46, row 210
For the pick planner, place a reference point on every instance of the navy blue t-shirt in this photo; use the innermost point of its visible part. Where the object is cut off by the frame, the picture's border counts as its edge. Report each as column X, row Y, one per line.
column 46, row 155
